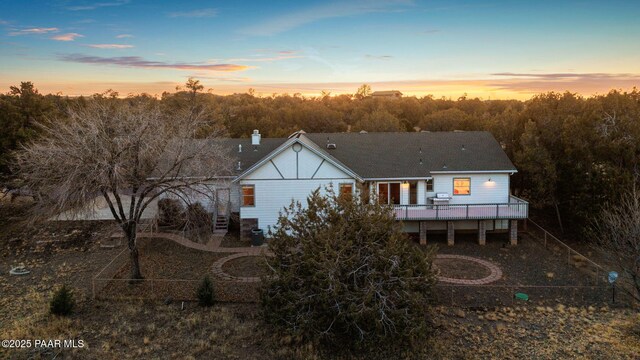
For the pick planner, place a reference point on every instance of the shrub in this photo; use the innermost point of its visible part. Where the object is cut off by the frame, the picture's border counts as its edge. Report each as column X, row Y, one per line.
column 197, row 218
column 205, row 293
column 62, row 302
column 344, row 273
column 170, row 213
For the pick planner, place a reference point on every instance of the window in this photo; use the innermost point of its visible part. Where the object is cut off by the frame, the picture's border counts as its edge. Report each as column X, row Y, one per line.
column 346, row 190
column 389, row 193
column 461, row 186
column 248, row 195
column 430, row 185
column 413, row 192
column 383, row 193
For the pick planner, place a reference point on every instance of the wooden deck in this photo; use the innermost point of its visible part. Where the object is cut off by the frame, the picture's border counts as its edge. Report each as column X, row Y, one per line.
column 515, row 209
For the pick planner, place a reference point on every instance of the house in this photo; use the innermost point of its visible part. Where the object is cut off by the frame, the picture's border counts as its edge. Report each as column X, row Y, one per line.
column 393, row 94
column 436, row 181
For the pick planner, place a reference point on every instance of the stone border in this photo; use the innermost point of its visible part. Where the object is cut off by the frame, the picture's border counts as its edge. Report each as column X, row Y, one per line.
column 216, row 268
column 495, row 272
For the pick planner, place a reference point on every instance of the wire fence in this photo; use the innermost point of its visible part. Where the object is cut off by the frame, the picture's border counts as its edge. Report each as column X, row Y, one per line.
column 113, row 283
column 573, row 257
column 470, row 296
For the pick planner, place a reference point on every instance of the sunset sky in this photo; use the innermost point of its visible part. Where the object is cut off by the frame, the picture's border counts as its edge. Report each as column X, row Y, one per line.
column 490, row 49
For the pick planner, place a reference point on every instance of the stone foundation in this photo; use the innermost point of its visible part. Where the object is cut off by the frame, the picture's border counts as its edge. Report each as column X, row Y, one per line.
column 513, row 232
column 451, row 234
column 423, row 233
column 482, row 232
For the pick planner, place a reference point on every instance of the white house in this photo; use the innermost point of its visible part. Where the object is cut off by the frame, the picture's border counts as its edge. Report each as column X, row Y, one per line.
column 436, row 181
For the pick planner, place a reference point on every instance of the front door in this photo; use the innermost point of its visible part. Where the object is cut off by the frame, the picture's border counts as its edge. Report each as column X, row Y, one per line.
column 223, row 197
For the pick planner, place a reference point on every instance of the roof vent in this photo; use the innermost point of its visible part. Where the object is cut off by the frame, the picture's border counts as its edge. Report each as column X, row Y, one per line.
column 255, row 138
column 331, row 146
column 363, row 132
column 239, row 148
column 444, row 166
column 239, row 167
column 463, row 148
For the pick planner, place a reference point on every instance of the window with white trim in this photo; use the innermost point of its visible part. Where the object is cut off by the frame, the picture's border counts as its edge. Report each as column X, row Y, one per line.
column 248, row 195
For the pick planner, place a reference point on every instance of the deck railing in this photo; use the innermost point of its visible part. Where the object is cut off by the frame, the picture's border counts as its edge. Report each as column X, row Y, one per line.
column 516, row 208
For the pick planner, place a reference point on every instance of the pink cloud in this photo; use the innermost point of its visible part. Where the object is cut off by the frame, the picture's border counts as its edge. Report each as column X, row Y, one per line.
column 138, row 62
column 67, row 37
column 33, row 31
column 110, row 46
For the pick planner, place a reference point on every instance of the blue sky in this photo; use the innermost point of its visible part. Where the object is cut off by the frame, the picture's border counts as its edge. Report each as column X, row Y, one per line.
column 497, row 49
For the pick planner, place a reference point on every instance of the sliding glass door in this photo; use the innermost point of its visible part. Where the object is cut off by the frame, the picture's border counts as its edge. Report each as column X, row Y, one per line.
column 389, row 193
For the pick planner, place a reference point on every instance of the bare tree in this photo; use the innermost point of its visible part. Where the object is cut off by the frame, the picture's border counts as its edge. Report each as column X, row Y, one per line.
column 617, row 232
column 128, row 152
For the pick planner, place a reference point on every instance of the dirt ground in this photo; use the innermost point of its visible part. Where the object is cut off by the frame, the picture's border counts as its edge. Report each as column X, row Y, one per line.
column 58, row 253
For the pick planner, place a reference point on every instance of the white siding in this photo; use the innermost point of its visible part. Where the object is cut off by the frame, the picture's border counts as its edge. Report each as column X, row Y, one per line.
column 303, row 172
column 482, row 191
column 271, row 196
column 235, row 197
column 422, row 197
column 206, row 195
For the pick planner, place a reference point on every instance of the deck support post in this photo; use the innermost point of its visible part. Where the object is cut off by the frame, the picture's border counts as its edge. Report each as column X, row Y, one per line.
column 513, row 232
column 482, row 232
column 450, row 233
column 423, row 233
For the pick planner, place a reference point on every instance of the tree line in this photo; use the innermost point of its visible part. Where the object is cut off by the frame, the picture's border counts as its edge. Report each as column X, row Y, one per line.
column 574, row 154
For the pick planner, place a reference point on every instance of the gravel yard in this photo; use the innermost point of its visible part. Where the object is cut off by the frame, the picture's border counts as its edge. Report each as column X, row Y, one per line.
column 544, row 275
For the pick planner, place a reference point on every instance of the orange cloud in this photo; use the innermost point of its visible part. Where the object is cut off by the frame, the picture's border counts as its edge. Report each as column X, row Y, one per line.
column 67, row 37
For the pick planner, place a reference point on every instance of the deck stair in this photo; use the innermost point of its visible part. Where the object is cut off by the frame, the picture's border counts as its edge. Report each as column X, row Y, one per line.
column 221, row 225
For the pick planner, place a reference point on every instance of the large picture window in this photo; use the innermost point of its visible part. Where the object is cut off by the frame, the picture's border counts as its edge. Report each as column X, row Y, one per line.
column 248, row 195
column 462, row 186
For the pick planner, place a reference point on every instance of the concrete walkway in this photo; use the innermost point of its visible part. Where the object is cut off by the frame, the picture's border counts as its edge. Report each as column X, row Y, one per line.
column 495, row 273
column 214, row 246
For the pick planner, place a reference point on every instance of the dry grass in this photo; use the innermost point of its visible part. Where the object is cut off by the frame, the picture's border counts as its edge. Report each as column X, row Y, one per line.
column 136, row 329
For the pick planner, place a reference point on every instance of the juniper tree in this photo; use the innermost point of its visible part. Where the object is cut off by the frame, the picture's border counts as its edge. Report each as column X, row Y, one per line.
column 343, row 272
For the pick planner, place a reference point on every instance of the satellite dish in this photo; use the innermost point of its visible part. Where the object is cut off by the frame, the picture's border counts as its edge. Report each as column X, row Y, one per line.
column 613, row 276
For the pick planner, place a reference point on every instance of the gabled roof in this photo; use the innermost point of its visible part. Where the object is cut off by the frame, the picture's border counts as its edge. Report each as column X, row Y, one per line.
column 300, row 138
column 388, row 155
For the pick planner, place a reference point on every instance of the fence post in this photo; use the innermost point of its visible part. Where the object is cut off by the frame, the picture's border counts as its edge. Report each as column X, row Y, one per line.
column 451, row 296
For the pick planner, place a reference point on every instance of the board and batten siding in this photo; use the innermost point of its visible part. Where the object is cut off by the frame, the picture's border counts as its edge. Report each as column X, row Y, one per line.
column 289, row 176
column 483, row 191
